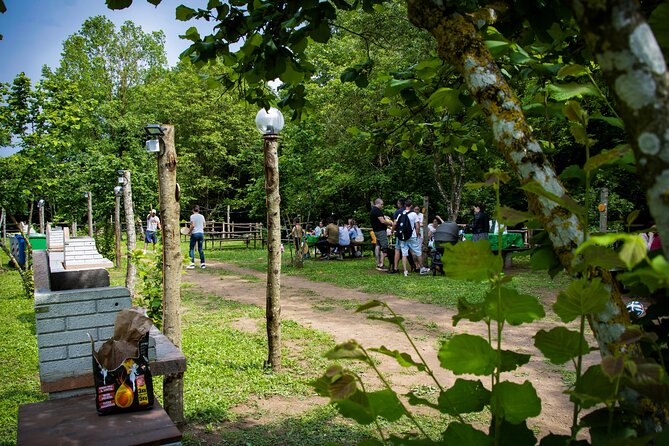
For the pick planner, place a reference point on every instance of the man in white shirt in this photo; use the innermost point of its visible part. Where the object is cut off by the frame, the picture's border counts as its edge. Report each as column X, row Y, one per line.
column 152, row 225
column 196, row 237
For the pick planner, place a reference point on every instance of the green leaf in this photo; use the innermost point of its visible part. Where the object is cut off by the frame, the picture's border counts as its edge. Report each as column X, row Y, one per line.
column 446, row 98
column 560, row 344
column 471, row 261
column 512, row 217
column 613, row 366
column 191, row 34
column 564, row 201
column 347, row 350
column 395, row 86
column 633, row 251
column 515, row 434
column 342, row 387
column 515, row 402
column 573, row 172
column 582, row 297
column 464, row 397
column 515, row 308
column 184, row 13
column 602, row 256
column 563, row 92
column 465, row 435
column 111, row 4
column 573, row 111
column 594, row 388
column 574, row 70
column 369, row 305
column 659, row 22
column 512, row 360
column 466, row 353
column 466, row 310
column 357, row 408
column 403, row 359
column 606, row 157
column 615, row 122
column 321, row 34
column 385, row 403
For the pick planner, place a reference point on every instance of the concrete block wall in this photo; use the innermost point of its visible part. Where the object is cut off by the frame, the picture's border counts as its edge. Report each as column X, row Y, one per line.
column 63, row 321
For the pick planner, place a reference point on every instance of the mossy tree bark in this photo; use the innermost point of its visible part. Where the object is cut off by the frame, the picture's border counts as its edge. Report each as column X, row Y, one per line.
column 273, row 296
column 131, row 271
column 634, row 68
column 173, row 386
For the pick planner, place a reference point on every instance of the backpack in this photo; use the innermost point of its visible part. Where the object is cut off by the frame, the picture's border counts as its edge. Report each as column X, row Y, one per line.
column 403, row 230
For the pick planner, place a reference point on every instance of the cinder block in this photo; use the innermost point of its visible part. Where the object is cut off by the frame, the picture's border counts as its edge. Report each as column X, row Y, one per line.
column 113, row 305
column 55, row 370
column 65, row 338
column 52, row 354
column 64, row 309
column 90, row 321
column 80, row 295
column 79, row 350
column 105, row 333
column 49, row 325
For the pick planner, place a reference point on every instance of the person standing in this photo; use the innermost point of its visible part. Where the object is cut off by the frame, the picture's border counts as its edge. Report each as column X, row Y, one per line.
column 481, row 224
column 152, row 225
column 412, row 244
column 196, row 237
column 380, row 224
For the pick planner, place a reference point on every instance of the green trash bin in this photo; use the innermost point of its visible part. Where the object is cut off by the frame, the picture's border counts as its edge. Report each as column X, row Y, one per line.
column 38, row 241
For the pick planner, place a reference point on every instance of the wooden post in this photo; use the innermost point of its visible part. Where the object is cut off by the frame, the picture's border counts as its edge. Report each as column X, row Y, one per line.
column 74, row 228
column 603, row 209
column 40, row 209
column 3, row 219
column 90, row 213
column 228, row 221
column 117, row 227
column 273, row 296
column 131, row 270
column 173, row 385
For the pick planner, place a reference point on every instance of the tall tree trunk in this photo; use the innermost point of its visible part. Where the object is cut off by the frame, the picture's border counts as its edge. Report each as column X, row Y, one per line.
column 117, row 228
column 273, row 298
column 459, row 44
column 169, row 217
column 131, row 270
column 633, row 65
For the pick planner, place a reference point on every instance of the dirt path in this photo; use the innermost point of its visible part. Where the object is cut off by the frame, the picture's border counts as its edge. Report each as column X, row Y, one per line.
column 303, row 301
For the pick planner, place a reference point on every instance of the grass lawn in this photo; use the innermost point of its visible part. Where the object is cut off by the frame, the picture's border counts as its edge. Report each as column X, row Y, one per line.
column 225, row 344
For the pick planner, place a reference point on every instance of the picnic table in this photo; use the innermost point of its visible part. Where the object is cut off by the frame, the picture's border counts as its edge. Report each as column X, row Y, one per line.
column 509, row 241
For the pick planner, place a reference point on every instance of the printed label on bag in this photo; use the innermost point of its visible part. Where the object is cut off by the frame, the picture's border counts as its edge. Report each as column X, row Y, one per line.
column 142, row 394
column 106, row 404
column 109, row 388
column 105, row 396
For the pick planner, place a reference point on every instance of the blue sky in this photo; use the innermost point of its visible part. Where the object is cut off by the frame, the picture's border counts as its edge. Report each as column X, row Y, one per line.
column 34, row 30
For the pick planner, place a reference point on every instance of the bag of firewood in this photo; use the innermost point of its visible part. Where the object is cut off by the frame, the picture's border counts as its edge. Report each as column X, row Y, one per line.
column 121, row 366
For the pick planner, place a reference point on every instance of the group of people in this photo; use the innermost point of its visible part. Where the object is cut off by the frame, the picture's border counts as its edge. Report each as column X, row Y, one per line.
column 336, row 239
column 195, row 230
column 406, row 225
